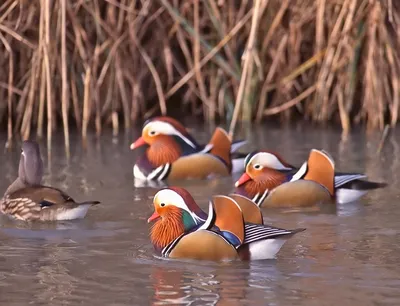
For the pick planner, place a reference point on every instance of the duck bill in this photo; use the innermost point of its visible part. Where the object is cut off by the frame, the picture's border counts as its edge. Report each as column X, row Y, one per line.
column 153, row 217
column 138, row 143
column 243, row 179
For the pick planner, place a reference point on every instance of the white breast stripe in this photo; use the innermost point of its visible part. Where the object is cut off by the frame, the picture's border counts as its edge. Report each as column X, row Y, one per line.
column 262, row 198
column 165, row 251
column 300, row 173
column 210, row 218
column 207, row 148
column 155, row 172
column 164, row 173
column 255, row 198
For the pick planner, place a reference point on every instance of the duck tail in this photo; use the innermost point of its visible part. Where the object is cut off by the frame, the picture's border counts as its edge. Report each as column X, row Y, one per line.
column 89, row 203
column 297, row 230
column 367, row 185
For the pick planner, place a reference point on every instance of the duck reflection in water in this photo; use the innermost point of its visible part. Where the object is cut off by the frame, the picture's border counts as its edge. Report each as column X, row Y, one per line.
column 182, row 286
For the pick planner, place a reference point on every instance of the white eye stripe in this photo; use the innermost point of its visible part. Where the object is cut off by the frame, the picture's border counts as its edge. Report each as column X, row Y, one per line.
column 172, row 197
column 160, row 127
column 268, row 160
column 169, row 196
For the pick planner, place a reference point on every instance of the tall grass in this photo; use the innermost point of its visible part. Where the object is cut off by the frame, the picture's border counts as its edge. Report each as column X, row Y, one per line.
column 108, row 63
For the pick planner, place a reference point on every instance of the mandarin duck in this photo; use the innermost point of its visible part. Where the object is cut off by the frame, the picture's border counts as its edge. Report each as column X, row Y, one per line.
column 269, row 185
column 266, row 170
column 173, row 153
column 232, row 229
column 26, row 199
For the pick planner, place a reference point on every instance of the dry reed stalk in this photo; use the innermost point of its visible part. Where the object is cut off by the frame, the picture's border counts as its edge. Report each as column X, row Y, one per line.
column 39, row 130
column 156, row 77
column 220, row 26
column 27, row 116
column 46, row 48
column 211, row 54
column 265, row 88
column 246, row 66
column 278, row 109
column 344, row 116
column 86, row 103
column 196, row 55
column 189, row 29
column 115, row 124
column 64, row 75
column 383, row 138
column 10, row 92
column 75, row 102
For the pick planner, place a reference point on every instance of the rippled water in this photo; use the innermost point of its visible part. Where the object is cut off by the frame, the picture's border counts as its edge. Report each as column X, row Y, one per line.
column 348, row 255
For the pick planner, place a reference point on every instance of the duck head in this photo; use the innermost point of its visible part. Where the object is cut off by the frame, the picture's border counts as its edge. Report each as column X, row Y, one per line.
column 168, row 140
column 30, row 169
column 162, row 128
column 175, row 213
column 263, row 170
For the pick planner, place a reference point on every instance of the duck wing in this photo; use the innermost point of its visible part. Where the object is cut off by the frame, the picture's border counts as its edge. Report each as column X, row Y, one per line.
column 256, row 232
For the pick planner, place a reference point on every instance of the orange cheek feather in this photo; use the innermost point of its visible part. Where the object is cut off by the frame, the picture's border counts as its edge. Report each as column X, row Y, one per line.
column 167, row 228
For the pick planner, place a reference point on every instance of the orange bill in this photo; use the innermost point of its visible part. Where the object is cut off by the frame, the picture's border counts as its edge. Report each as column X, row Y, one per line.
column 153, row 217
column 243, row 179
column 138, row 143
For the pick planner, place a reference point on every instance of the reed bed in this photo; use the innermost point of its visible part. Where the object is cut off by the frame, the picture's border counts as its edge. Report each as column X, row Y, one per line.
column 109, row 63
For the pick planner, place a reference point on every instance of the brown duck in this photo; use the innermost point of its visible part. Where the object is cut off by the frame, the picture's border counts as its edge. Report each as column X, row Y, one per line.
column 26, row 199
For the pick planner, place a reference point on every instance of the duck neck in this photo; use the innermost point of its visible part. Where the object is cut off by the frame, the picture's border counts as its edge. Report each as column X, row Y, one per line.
column 16, row 185
column 163, row 151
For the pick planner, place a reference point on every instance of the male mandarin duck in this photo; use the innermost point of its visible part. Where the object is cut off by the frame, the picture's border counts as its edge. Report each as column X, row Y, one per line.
column 265, row 171
column 26, row 199
column 173, row 153
column 233, row 228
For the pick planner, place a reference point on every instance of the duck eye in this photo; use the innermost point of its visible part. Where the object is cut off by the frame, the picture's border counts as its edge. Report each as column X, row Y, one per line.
column 162, row 204
column 152, row 133
column 257, row 166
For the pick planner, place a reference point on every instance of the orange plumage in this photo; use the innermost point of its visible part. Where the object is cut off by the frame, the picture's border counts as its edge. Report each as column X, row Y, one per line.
column 167, row 228
column 268, row 179
column 163, row 151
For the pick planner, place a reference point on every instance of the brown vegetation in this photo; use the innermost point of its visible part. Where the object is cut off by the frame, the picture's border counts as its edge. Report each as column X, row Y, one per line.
column 110, row 62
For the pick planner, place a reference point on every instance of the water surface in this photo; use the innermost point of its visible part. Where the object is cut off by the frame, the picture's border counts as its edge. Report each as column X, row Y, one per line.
column 347, row 255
